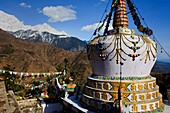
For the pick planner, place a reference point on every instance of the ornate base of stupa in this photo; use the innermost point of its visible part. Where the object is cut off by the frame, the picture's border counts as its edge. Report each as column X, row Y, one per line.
column 139, row 94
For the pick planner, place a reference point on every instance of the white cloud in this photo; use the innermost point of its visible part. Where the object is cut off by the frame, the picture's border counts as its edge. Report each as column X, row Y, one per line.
column 99, row 3
column 59, row 13
column 91, row 27
column 39, row 11
column 94, row 26
column 25, row 5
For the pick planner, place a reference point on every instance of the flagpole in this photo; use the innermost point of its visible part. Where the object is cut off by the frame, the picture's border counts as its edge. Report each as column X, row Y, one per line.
column 120, row 86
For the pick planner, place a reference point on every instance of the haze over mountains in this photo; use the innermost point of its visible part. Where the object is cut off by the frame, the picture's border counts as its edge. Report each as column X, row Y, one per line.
column 40, row 33
column 161, row 67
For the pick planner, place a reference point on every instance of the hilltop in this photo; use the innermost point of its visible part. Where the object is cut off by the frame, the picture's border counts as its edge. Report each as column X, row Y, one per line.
column 34, row 56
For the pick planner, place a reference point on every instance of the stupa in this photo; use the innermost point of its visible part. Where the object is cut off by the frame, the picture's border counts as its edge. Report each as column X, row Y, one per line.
column 121, row 63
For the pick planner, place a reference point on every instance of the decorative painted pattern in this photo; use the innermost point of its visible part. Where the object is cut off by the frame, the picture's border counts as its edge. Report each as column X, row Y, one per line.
column 127, row 96
column 118, row 78
column 154, row 106
column 127, row 85
column 131, row 41
column 137, row 95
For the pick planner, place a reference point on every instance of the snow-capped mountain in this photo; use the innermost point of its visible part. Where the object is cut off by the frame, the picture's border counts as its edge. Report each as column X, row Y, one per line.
column 39, row 33
column 62, row 41
column 11, row 23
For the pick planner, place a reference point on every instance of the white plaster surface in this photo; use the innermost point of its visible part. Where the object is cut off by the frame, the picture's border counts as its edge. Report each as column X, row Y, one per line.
column 130, row 68
column 76, row 104
column 53, row 107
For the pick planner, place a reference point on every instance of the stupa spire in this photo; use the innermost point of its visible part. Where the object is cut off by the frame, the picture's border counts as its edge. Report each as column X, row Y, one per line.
column 127, row 82
column 120, row 15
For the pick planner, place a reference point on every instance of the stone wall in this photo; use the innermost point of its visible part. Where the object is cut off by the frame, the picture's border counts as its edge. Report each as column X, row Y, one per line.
column 9, row 104
column 4, row 106
column 30, row 106
column 13, row 105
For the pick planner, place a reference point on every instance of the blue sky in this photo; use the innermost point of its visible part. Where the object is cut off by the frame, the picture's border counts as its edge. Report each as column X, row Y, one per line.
column 88, row 12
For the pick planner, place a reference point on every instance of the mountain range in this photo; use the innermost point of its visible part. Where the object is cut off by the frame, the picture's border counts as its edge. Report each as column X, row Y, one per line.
column 40, row 33
column 63, row 41
column 161, row 67
column 38, row 57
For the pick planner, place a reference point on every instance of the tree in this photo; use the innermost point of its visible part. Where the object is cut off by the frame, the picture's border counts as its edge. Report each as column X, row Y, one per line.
column 59, row 68
column 66, row 63
column 9, row 78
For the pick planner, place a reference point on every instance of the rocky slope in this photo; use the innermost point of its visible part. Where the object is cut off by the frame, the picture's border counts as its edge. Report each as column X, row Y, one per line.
column 35, row 56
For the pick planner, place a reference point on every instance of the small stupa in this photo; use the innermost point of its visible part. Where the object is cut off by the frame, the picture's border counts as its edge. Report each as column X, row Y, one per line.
column 121, row 63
